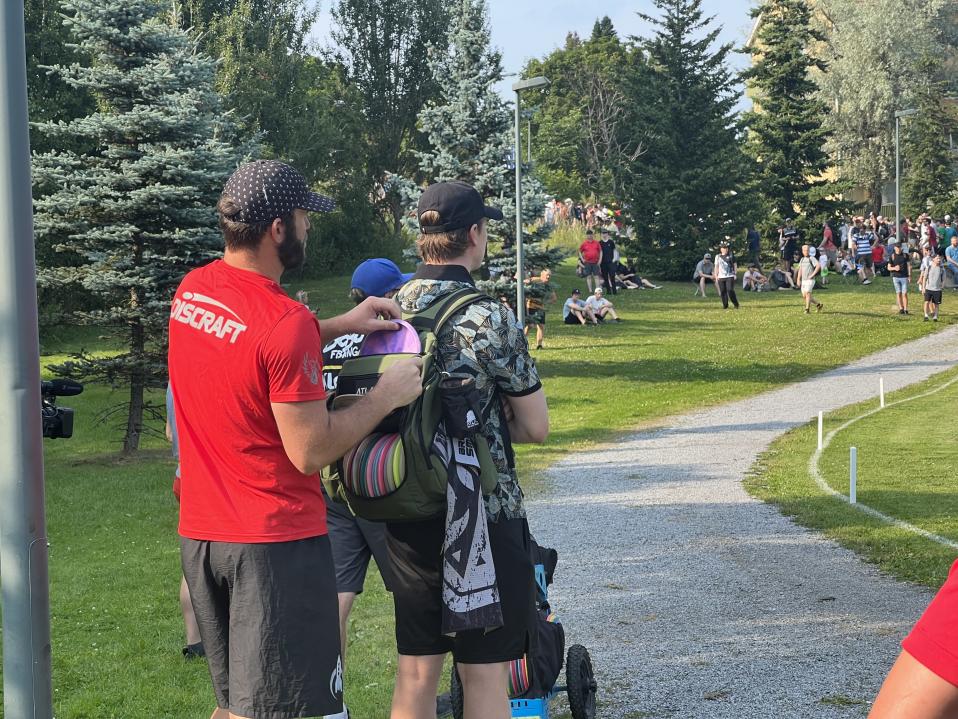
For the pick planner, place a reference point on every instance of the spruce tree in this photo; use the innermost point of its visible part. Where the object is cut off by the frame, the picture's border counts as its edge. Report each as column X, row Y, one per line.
column 470, row 129
column 689, row 191
column 786, row 133
column 131, row 216
column 929, row 170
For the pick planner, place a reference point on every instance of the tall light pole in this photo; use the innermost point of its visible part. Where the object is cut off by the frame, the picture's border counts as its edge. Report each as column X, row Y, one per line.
column 532, row 83
column 23, row 541
column 899, row 114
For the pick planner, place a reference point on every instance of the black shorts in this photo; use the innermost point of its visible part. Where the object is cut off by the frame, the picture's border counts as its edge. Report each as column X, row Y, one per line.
column 354, row 541
column 933, row 296
column 535, row 317
column 571, row 319
column 415, row 552
column 269, row 620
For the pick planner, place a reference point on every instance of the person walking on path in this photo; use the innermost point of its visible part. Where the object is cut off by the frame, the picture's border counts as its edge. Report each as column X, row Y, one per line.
column 808, row 270
column 933, row 282
column 900, row 268
column 590, row 254
column 245, row 362
column 725, row 272
column 704, row 270
column 608, row 261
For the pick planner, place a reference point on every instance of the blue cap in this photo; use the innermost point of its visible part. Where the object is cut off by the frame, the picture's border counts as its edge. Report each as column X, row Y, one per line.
column 378, row 276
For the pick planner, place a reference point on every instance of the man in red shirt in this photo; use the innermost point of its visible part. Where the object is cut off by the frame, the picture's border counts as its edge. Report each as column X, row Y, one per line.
column 254, row 431
column 590, row 252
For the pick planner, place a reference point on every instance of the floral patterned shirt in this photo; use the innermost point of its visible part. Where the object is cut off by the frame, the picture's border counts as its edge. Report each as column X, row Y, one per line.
column 483, row 341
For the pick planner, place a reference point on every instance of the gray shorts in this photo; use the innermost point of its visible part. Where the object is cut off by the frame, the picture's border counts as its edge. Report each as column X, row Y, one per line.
column 591, row 269
column 354, row 541
column 269, row 620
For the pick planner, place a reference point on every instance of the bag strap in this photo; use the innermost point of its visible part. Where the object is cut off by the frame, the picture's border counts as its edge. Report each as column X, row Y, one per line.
column 438, row 313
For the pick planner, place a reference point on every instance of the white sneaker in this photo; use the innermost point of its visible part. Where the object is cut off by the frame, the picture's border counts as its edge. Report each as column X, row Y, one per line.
column 344, row 714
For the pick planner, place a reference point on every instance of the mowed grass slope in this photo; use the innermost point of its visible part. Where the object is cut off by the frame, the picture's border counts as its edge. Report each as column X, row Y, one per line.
column 112, row 523
column 906, row 460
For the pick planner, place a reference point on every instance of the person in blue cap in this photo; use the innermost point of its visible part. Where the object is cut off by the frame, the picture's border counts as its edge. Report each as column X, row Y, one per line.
column 355, row 541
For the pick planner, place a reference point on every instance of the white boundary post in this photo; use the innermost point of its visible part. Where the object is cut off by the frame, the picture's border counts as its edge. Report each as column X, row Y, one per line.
column 820, row 421
column 881, row 391
column 853, row 475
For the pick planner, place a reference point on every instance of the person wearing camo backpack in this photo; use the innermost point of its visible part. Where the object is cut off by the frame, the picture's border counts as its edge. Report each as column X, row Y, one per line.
column 483, row 343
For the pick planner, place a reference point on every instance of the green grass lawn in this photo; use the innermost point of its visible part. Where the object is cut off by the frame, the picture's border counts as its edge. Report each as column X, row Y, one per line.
column 906, row 456
column 112, row 523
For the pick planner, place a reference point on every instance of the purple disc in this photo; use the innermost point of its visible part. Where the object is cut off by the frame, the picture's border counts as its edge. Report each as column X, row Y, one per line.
column 383, row 342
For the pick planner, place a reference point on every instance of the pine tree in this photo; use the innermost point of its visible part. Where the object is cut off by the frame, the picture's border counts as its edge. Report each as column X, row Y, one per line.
column 929, row 170
column 689, row 191
column 137, row 212
column 470, row 128
column 786, row 133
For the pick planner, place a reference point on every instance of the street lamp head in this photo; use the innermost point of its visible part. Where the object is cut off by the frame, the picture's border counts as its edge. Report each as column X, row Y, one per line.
column 906, row 113
column 533, row 83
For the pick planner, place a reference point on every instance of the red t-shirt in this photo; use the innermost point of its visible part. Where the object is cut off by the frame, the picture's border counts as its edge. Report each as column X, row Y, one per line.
column 934, row 640
column 238, row 343
column 878, row 253
column 591, row 251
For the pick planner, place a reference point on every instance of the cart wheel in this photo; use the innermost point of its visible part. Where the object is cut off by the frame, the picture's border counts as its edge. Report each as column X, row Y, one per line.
column 455, row 693
column 580, row 683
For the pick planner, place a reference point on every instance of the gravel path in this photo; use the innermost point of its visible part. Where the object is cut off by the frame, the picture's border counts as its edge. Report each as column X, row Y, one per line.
column 696, row 600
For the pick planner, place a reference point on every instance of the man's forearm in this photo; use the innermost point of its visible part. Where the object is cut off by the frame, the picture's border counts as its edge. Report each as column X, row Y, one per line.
column 332, row 328
column 345, row 428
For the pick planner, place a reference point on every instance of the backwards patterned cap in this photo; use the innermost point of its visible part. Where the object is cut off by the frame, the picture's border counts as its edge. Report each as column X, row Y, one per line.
column 267, row 189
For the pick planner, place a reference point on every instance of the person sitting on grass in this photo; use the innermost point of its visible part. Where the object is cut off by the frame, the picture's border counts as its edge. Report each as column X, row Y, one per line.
column 576, row 311
column 782, row 280
column 846, row 265
column 631, row 273
column 704, row 270
column 601, row 307
column 753, row 280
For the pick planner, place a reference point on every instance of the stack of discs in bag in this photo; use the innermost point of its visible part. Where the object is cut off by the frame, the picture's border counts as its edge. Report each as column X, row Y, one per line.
column 518, row 677
column 375, row 467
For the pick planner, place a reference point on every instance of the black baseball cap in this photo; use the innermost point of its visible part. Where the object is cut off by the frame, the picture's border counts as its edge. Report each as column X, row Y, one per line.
column 267, row 189
column 458, row 204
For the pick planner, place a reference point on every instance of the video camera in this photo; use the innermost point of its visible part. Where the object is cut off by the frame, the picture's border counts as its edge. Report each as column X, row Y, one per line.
column 57, row 421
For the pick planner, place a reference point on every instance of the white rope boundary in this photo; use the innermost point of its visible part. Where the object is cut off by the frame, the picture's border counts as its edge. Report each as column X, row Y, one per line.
column 816, row 474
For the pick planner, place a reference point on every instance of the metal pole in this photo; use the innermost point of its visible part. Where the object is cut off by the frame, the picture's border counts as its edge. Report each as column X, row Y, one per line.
column 520, row 268
column 881, row 391
column 898, row 233
column 23, row 543
column 853, row 475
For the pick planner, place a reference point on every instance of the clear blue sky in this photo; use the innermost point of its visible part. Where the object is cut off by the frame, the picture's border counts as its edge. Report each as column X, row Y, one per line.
column 523, row 29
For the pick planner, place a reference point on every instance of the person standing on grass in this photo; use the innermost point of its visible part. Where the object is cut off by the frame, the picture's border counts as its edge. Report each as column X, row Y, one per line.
column 900, row 268
column 483, row 343
column 704, row 271
column 254, row 431
column 808, row 270
column 863, row 238
column 608, row 261
column 536, row 300
column 590, row 254
column 934, row 281
column 726, row 270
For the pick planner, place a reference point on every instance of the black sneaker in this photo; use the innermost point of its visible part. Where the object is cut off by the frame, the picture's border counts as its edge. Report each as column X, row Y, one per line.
column 194, row 651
